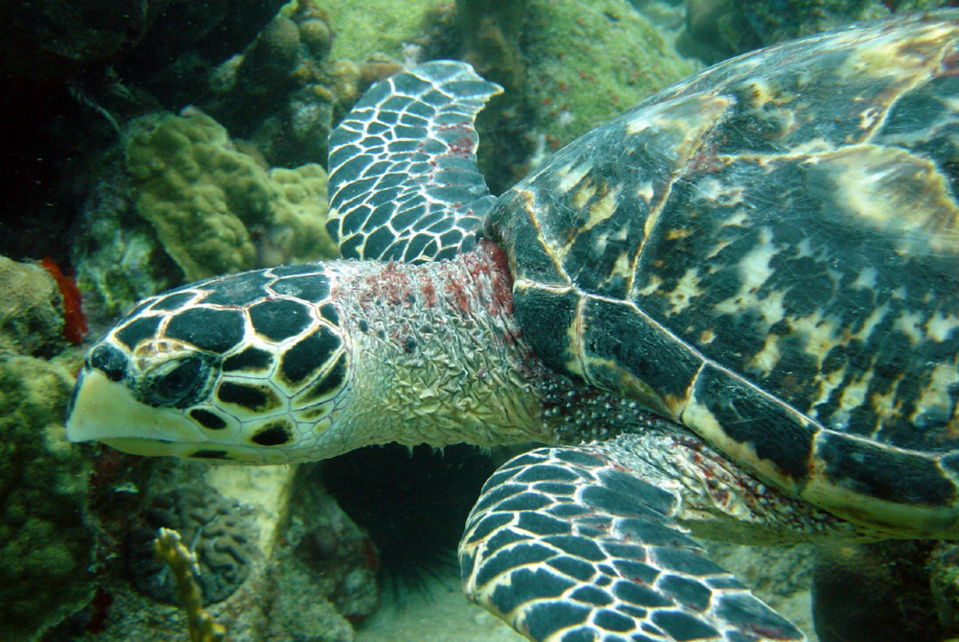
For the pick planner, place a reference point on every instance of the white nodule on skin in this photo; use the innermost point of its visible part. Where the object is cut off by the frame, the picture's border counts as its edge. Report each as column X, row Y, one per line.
column 106, row 410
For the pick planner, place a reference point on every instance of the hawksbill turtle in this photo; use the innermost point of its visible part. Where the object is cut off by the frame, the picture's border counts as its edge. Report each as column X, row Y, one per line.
column 731, row 312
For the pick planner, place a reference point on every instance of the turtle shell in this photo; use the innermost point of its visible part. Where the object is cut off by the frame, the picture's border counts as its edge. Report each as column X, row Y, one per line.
column 768, row 253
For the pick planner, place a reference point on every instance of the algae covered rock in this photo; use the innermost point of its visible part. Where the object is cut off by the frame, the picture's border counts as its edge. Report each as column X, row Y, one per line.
column 590, row 61
column 384, row 26
column 46, row 549
column 117, row 257
column 214, row 208
column 31, row 310
column 566, row 67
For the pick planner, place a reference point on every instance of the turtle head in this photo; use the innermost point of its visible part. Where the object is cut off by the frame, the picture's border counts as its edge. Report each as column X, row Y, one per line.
column 252, row 367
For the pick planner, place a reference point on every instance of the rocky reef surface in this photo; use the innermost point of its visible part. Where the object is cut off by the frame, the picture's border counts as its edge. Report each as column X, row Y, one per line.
column 151, row 144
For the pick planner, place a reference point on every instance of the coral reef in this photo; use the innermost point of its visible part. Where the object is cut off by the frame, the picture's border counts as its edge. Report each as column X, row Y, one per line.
column 74, row 321
column 589, row 61
column 170, row 550
column 185, row 202
column 31, row 310
column 325, row 555
column 57, row 38
column 943, row 567
column 280, row 92
column 220, row 538
column 491, row 40
column 118, row 258
column 376, row 26
column 567, row 66
column 214, row 208
column 46, row 547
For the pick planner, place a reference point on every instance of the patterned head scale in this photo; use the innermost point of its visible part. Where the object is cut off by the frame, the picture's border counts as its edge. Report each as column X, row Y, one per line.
column 218, row 369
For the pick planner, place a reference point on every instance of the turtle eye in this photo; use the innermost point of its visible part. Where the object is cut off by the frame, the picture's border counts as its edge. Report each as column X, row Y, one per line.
column 176, row 384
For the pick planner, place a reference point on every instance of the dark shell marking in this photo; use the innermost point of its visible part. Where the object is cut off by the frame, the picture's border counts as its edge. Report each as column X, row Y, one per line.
column 775, row 268
column 273, row 336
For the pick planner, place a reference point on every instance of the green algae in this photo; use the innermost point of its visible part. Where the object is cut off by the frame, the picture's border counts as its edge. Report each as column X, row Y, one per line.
column 590, row 61
column 375, row 26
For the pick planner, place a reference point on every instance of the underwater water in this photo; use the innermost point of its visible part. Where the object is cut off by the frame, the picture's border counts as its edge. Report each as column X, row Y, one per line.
column 179, row 141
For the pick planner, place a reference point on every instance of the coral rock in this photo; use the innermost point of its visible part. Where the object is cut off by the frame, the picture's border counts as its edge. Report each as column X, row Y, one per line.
column 223, row 541
column 31, row 309
column 46, row 547
column 213, row 206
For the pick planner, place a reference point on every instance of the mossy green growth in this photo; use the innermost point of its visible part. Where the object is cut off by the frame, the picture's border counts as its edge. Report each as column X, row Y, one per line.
column 375, row 26
column 590, row 61
column 46, row 549
column 214, row 208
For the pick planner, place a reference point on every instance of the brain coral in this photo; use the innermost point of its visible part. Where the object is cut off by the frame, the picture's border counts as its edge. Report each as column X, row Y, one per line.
column 214, row 208
column 213, row 527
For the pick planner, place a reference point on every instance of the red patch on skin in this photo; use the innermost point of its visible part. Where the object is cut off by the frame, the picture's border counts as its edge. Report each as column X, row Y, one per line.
column 370, row 554
column 489, row 266
column 391, row 285
column 108, row 464
column 74, row 321
column 462, row 146
column 454, row 290
column 502, row 280
column 429, row 292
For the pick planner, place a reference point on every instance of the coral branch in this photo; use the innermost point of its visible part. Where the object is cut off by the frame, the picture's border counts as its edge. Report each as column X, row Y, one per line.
column 170, row 550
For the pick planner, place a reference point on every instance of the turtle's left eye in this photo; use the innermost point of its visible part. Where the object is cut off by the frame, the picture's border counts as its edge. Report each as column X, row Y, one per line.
column 176, row 384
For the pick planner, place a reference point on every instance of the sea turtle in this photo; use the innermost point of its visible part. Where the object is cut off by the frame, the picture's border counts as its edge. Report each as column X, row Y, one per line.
column 732, row 311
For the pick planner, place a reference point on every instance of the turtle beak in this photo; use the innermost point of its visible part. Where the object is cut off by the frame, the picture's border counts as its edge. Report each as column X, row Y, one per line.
column 105, row 410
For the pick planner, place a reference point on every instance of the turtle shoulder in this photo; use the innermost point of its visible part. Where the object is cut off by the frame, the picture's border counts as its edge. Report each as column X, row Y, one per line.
column 768, row 253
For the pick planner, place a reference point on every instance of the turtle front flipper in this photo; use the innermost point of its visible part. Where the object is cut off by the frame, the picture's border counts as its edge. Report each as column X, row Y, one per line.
column 568, row 544
column 404, row 184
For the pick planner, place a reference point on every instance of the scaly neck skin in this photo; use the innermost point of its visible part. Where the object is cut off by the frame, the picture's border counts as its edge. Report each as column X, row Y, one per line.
column 437, row 355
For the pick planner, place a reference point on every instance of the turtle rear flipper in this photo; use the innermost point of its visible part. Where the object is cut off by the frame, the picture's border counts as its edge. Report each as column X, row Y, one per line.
column 564, row 544
column 404, row 184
